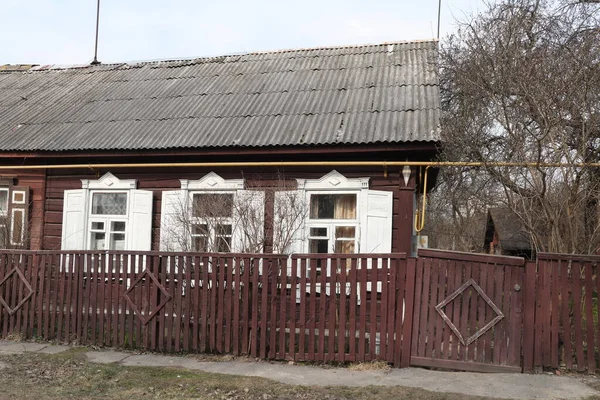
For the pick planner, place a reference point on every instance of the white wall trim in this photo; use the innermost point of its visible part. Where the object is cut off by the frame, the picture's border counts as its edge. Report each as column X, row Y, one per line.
column 109, row 182
column 333, row 181
column 212, row 181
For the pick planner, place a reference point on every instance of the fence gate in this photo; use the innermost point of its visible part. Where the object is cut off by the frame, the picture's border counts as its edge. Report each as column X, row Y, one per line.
column 468, row 312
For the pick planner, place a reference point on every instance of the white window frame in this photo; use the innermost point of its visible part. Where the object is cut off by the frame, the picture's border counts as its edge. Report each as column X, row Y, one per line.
column 108, row 184
column 4, row 215
column 212, row 183
column 78, row 217
column 331, row 223
column 211, row 222
column 107, row 220
column 333, row 183
column 7, row 190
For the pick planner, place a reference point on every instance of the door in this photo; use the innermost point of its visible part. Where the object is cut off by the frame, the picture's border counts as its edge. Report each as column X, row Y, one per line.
column 468, row 311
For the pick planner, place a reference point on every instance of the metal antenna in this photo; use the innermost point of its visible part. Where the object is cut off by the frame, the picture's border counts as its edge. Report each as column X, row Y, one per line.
column 96, row 62
column 439, row 17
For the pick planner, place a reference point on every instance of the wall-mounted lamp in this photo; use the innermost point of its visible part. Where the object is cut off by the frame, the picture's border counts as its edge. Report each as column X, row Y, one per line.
column 406, row 174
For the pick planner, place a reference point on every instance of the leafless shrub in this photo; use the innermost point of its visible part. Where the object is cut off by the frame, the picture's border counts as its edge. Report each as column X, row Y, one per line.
column 521, row 83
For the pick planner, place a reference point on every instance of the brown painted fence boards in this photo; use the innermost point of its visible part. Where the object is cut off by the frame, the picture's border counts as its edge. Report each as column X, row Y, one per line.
column 318, row 307
column 566, row 313
column 464, row 317
column 313, row 307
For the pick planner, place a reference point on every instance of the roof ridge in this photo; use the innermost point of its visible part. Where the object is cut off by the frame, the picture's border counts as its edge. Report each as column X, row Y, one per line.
column 134, row 63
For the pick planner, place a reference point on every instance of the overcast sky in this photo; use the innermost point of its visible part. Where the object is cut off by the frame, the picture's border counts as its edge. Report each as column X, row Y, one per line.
column 62, row 31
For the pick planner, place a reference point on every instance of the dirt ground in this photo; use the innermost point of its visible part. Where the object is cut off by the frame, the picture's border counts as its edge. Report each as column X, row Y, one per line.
column 70, row 375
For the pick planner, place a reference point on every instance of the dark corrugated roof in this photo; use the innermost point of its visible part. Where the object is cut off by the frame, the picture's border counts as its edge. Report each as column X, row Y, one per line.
column 348, row 95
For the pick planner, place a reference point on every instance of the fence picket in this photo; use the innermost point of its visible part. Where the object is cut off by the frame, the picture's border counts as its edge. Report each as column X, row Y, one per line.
column 291, row 353
column 351, row 310
column 283, row 267
column 589, row 294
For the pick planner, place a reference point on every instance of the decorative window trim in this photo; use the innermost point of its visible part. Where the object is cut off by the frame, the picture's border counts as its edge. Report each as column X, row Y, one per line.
column 212, row 181
column 333, row 183
column 109, row 182
column 4, row 213
column 14, row 197
column 14, row 222
column 78, row 216
column 177, row 236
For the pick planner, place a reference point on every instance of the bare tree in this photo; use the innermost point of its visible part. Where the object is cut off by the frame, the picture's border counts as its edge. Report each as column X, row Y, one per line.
column 457, row 209
column 521, row 83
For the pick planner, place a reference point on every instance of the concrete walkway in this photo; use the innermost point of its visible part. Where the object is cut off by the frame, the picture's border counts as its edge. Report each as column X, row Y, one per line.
column 507, row 386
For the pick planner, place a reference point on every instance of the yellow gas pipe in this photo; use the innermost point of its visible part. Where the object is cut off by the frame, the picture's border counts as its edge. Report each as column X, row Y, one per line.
column 420, row 216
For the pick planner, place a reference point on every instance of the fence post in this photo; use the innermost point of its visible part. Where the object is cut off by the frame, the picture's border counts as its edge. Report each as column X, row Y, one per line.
column 408, row 303
column 529, row 303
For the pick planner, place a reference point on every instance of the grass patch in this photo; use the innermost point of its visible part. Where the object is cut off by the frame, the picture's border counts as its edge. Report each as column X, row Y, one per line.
column 375, row 365
column 70, row 375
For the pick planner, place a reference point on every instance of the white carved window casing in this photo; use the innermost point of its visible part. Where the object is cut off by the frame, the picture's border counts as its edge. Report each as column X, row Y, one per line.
column 107, row 214
column 212, row 214
column 344, row 216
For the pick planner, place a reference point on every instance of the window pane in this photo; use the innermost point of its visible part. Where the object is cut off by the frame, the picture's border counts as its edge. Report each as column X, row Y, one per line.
column 223, row 238
column 118, row 241
column 223, row 230
column 224, row 244
column 318, row 232
column 344, row 246
column 118, row 226
column 98, row 226
column 212, row 205
column 109, row 203
column 200, row 243
column 318, row 246
column 3, row 202
column 98, row 242
column 345, row 231
column 200, row 229
column 333, row 206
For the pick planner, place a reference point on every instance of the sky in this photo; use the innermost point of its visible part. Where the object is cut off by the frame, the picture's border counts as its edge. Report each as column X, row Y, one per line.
column 62, row 31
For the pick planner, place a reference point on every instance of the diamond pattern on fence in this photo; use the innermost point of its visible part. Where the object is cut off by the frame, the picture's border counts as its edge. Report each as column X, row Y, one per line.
column 20, row 275
column 146, row 315
column 483, row 329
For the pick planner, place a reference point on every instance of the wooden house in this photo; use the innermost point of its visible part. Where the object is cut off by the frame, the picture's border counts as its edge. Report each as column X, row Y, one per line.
column 255, row 152
column 506, row 235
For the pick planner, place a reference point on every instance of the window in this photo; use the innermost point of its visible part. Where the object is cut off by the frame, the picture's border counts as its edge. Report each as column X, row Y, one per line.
column 344, row 216
column 4, row 221
column 107, row 224
column 14, row 207
column 332, row 223
column 3, row 202
column 107, row 214
column 212, row 214
column 212, row 222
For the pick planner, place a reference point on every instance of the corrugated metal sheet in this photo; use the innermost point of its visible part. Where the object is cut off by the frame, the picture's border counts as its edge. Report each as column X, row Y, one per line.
column 350, row 95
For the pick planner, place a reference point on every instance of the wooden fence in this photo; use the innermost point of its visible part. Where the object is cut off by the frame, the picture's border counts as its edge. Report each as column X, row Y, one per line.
column 471, row 312
column 565, row 331
column 305, row 307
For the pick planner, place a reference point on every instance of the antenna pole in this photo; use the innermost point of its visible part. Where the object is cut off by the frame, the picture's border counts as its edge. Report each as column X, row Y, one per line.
column 96, row 62
column 439, row 17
